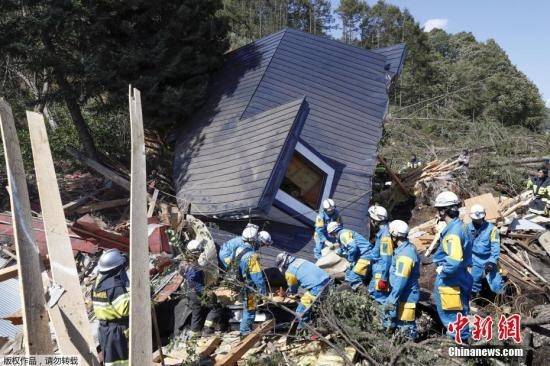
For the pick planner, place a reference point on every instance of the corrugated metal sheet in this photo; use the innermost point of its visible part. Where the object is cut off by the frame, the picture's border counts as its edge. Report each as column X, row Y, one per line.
column 346, row 92
column 236, row 166
column 395, row 57
column 9, row 304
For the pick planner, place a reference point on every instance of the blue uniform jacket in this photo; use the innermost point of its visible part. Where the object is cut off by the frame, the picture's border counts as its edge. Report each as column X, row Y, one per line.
column 404, row 275
column 228, row 249
column 322, row 221
column 251, row 272
column 354, row 246
column 486, row 241
column 382, row 252
column 455, row 248
column 304, row 274
column 195, row 279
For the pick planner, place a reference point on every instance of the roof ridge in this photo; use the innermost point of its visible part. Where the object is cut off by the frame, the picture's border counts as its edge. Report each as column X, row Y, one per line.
column 283, row 31
column 332, row 40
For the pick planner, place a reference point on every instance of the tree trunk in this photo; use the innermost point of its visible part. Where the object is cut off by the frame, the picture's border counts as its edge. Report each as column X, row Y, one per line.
column 76, row 115
column 81, row 126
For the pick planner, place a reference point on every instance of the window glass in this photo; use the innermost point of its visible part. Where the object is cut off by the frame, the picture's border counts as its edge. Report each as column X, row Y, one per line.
column 304, row 181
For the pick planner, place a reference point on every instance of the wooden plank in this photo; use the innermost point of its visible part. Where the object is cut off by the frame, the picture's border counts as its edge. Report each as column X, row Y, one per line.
column 208, row 346
column 36, row 331
column 97, row 206
column 140, row 295
column 69, row 317
column 488, row 202
column 99, row 168
column 153, row 203
column 8, row 272
column 247, row 343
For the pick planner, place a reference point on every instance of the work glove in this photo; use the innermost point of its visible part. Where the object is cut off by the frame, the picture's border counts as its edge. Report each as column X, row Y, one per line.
column 439, row 269
column 383, row 285
column 388, row 307
column 489, row 267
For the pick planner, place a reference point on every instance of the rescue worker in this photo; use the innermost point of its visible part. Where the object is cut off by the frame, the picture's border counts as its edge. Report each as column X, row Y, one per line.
column 111, row 302
column 251, row 275
column 485, row 251
column 382, row 254
column 400, row 305
column 357, row 250
column 264, row 239
column 204, row 310
column 227, row 250
column 414, row 162
column 302, row 273
column 453, row 258
column 540, row 185
column 327, row 213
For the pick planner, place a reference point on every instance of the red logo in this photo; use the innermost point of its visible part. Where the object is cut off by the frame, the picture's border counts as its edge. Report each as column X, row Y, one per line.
column 483, row 328
column 457, row 326
column 508, row 327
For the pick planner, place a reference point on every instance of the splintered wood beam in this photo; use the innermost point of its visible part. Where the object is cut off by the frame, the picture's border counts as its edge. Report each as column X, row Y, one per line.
column 394, row 177
column 153, row 203
column 69, row 317
column 36, row 332
column 99, row 168
column 140, row 294
column 247, row 343
column 103, row 205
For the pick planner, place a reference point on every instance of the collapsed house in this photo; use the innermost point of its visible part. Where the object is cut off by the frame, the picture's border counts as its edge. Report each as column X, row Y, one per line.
column 290, row 120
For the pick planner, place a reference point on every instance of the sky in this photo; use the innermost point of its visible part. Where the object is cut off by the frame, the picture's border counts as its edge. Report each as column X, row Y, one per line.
column 521, row 28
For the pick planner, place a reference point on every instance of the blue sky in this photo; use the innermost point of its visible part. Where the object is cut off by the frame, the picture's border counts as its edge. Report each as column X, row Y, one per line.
column 521, row 28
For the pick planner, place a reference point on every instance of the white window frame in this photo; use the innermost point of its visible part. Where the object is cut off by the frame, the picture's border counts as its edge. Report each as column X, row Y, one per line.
column 292, row 202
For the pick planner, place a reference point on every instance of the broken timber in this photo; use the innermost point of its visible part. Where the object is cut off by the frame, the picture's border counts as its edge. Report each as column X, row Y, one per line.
column 236, row 353
column 69, row 316
column 140, row 295
column 97, row 206
column 35, row 318
column 99, row 168
column 394, row 177
column 8, row 272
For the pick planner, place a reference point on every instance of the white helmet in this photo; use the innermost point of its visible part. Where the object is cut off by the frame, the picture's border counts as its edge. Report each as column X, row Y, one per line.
column 283, row 260
column 265, row 238
column 378, row 213
column 446, row 199
column 250, row 234
column 399, row 229
column 333, row 227
column 477, row 212
column 110, row 259
column 195, row 247
column 328, row 205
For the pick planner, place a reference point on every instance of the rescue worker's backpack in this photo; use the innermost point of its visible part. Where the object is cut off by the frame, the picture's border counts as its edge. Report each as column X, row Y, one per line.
column 233, row 279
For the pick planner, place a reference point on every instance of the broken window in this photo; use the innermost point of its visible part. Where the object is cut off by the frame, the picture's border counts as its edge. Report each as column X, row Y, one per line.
column 304, row 181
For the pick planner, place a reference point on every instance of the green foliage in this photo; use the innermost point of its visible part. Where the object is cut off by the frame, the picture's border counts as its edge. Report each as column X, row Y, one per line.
column 438, row 63
column 250, row 20
column 166, row 49
column 351, row 12
column 85, row 53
